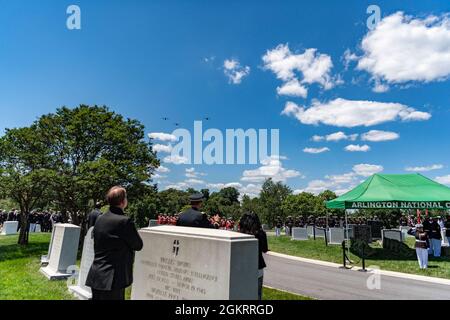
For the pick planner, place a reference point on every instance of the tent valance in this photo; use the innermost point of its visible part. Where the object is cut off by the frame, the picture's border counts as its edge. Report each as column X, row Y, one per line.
column 390, row 191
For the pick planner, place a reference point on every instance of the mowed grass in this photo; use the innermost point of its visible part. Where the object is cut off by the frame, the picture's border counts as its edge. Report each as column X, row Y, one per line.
column 384, row 259
column 20, row 278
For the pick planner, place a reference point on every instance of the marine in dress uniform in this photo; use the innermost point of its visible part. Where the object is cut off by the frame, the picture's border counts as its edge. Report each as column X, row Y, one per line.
column 193, row 217
column 422, row 244
column 436, row 237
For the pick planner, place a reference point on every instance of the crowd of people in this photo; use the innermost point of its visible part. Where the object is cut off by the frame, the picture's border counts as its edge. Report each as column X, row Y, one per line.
column 429, row 236
column 46, row 219
column 216, row 220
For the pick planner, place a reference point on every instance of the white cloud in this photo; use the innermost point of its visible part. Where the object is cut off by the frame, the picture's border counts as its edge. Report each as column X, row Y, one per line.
column 348, row 58
column 162, row 148
column 443, row 180
column 234, row 71
column 191, row 173
column 425, row 168
column 337, row 136
column 158, row 176
column 366, row 170
column 377, row 136
column 357, row 148
column 162, row 169
column 176, row 159
column 177, row 186
column 342, row 183
column 311, row 66
column 161, row 136
column 316, row 150
column 293, row 88
column 352, row 113
column 252, row 190
column 271, row 168
column 402, row 48
column 317, row 138
column 194, row 181
column 218, row 186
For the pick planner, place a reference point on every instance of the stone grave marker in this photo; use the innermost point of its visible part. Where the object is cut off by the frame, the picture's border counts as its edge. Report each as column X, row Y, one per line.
column 195, row 264
column 63, row 251
column 10, row 227
column 336, row 236
column 299, row 234
column 80, row 290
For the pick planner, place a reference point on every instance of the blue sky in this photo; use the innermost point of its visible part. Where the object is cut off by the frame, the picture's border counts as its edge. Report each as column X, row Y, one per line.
column 154, row 59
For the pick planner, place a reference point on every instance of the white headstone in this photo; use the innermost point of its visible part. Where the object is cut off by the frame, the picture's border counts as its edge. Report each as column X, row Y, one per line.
column 336, row 236
column 64, row 247
column 80, row 290
column 310, row 230
column 299, row 234
column 195, row 264
column 38, row 228
column 9, row 227
column 153, row 223
column 32, row 227
column 320, row 232
column 392, row 234
column 45, row 259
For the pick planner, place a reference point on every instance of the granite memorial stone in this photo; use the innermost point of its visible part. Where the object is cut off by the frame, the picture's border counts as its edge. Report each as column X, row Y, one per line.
column 299, row 234
column 63, row 251
column 10, row 227
column 181, row 263
column 80, row 290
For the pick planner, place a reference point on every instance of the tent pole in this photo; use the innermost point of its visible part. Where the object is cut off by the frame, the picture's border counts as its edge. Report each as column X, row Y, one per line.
column 347, row 237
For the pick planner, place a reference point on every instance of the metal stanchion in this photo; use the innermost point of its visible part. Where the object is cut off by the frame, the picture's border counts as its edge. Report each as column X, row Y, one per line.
column 363, row 259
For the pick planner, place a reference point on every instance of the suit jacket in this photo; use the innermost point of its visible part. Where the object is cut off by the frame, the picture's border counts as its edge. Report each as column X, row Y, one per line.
column 115, row 241
column 92, row 218
column 194, row 218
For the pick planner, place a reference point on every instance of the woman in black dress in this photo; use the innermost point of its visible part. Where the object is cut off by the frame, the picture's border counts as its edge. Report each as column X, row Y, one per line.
column 250, row 224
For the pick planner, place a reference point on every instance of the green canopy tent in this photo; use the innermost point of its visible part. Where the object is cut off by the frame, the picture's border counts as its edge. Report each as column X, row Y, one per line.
column 394, row 191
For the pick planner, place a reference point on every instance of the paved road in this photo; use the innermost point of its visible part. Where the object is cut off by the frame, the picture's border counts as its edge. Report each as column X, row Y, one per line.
column 323, row 282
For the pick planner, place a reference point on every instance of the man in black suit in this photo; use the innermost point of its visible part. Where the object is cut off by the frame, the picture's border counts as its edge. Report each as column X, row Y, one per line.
column 193, row 217
column 115, row 241
column 93, row 216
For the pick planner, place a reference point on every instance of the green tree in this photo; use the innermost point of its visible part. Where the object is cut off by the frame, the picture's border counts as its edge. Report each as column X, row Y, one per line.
column 271, row 199
column 146, row 207
column 25, row 174
column 302, row 204
column 173, row 201
column 93, row 149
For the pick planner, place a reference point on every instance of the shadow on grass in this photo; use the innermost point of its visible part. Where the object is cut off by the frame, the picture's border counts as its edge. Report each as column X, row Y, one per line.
column 15, row 251
column 386, row 254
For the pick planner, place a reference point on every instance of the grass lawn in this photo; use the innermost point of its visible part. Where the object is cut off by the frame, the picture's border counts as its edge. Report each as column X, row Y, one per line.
column 20, row 278
column 316, row 249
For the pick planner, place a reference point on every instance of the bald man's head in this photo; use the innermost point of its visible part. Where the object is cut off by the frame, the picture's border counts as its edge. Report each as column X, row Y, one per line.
column 117, row 197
